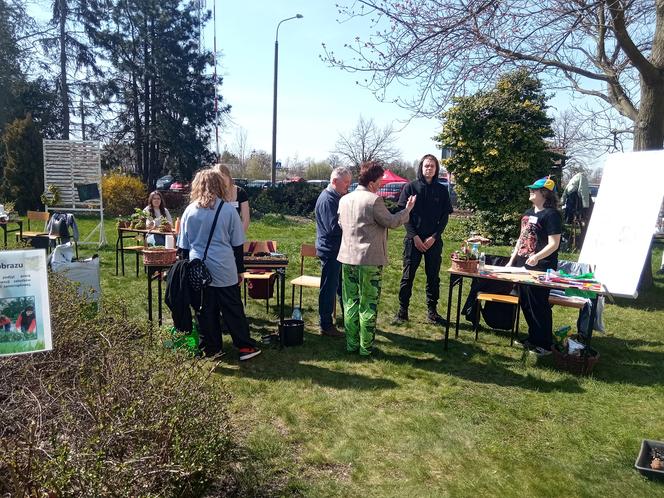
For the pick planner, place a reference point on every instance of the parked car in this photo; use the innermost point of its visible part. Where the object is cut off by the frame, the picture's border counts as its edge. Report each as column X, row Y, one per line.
column 319, row 183
column 450, row 188
column 164, row 183
column 179, row 186
column 593, row 189
column 240, row 182
column 391, row 190
column 259, row 184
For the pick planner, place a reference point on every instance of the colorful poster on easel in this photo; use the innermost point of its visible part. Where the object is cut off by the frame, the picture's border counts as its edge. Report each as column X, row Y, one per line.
column 25, row 317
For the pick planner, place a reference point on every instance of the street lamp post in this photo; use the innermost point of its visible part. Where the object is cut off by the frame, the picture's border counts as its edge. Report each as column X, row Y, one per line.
column 274, row 103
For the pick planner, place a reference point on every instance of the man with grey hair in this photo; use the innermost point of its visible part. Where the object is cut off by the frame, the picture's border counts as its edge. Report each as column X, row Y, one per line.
column 328, row 242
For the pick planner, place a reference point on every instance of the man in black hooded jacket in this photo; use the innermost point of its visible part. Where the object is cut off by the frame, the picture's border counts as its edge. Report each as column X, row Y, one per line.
column 424, row 236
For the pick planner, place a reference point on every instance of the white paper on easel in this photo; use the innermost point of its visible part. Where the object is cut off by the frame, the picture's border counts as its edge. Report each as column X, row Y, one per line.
column 623, row 219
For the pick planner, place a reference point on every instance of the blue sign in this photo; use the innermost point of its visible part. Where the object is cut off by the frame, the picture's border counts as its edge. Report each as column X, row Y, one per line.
column 277, row 165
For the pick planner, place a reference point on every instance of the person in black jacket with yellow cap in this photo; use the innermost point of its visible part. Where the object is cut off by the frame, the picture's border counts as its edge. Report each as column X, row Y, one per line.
column 424, row 236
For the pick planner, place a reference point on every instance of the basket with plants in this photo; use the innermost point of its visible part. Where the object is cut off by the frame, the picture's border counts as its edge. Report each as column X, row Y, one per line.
column 464, row 260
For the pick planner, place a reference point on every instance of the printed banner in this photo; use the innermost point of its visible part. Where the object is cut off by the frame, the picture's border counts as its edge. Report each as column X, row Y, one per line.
column 25, row 315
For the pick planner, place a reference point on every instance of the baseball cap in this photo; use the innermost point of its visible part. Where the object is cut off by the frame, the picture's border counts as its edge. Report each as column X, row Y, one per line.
column 545, row 182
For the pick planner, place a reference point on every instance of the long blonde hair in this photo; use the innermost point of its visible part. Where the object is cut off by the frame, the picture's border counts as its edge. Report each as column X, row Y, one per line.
column 224, row 171
column 206, row 187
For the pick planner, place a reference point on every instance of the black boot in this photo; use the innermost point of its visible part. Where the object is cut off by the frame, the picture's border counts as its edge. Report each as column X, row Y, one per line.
column 400, row 317
column 434, row 318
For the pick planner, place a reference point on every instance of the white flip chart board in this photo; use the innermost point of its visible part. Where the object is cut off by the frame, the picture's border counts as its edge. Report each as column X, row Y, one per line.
column 624, row 219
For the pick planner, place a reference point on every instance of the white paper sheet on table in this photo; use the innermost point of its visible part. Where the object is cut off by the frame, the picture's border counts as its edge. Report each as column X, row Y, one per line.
column 505, row 269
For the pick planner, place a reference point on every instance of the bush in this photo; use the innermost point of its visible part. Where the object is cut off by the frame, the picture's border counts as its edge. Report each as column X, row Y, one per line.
column 110, row 413
column 122, row 193
column 295, row 199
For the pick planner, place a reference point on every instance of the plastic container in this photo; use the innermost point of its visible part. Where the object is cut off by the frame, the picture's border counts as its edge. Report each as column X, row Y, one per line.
column 291, row 332
column 644, row 459
column 482, row 263
column 475, row 250
column 297, row 314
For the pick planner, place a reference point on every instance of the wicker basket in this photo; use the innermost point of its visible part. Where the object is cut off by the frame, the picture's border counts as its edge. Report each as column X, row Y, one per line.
column 154, row 256
column 578, row 365
column 465, row 265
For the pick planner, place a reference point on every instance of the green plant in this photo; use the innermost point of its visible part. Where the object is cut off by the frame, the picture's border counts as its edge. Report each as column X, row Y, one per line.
column 122, row 193
column 498, row 138
column 51, row 197
column 110, row 412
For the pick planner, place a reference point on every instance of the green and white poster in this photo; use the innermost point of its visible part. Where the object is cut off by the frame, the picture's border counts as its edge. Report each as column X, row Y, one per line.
column 25, row 318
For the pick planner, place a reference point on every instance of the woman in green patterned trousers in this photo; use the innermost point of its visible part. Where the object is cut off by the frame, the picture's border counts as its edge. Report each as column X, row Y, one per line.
column 364, row 221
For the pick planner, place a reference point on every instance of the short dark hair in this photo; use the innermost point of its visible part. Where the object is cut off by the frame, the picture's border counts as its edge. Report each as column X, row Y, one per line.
column 370, row 172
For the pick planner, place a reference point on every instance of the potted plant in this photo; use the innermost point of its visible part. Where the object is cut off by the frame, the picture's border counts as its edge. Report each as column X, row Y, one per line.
column 165, row 226
column 465, row 260
column 123, row 221
column 138, row 219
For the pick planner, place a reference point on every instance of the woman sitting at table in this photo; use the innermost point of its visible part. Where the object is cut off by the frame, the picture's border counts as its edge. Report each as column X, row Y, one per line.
column 156, row 208
column 537, row 249
column 235, row 196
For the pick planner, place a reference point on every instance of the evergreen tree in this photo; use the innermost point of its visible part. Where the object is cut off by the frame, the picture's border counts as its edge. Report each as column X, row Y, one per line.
column 164, row 100
column 24, row 166
column 498, row 141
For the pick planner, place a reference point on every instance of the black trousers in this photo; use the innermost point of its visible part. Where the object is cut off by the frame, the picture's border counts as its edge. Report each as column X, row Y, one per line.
column 537, row 312
column 411, row 261
column 226, row 300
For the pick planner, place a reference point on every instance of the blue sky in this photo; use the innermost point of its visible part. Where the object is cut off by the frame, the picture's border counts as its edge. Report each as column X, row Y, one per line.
column 316, row 102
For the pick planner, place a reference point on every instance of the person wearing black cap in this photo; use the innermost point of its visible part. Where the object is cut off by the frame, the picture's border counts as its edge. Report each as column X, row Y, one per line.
column 424, row 237
column 537, row 249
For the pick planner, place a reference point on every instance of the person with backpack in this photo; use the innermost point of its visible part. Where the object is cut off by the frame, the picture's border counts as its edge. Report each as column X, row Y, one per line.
column 211, row 231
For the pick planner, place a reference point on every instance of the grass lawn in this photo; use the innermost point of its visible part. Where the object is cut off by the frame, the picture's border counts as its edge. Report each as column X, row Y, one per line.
column 479, row 419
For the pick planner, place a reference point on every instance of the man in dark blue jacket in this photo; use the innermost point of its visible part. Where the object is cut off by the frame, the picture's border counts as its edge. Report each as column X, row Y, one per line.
column 328, row 242
column 424, row 236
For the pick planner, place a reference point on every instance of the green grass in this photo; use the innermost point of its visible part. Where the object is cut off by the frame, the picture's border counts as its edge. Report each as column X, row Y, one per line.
column 479, row 419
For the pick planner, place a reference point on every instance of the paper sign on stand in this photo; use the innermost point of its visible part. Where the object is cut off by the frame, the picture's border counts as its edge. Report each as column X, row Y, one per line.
column 25, row 317
column 624, row 219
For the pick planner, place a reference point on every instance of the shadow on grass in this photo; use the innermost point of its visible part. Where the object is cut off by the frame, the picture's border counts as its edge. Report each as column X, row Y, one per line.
column 624, row 361
column 471, row 362
column 648, row 300
column 466, row 361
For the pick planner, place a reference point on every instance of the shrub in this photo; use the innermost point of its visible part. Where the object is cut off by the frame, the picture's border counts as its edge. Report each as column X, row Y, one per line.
column 296, row 199
column 24, row 165
column 110, row 413
column 498, row 138
column 122, row 193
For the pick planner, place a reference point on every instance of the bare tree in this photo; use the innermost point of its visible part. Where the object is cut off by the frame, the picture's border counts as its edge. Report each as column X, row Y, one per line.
column 367, row 142
column 241, row 146
column 612, row 50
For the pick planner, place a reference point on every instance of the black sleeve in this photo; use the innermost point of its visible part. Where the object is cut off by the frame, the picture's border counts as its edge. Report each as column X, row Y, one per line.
column 238, row 253
column 403, row 197
column 241, row 195
column 553, row 223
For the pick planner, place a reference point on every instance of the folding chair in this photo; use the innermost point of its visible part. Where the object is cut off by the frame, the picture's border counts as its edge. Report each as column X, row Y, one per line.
column 306, row 251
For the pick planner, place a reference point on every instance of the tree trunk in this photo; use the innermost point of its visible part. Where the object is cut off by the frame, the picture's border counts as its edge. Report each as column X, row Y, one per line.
column 138, row 132
column 64, row 90
column 649, row 135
